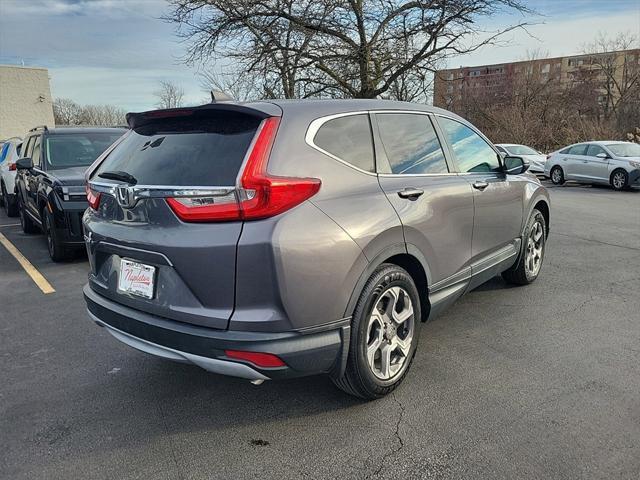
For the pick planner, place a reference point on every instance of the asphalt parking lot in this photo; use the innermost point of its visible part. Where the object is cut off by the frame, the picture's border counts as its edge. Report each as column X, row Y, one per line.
column 534, row 382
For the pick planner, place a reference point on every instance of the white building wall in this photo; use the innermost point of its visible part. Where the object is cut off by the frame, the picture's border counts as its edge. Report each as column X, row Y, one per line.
column 25, row 100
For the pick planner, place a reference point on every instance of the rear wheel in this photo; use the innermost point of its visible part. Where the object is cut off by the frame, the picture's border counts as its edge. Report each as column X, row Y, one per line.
column 530, row 262
column 27, row 224
column 619, row 180
column 384, row 335
column 9, row 202
column 57, row 251
column 557, row 175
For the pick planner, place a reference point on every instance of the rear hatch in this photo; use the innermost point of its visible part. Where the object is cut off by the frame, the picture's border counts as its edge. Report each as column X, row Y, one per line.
column 165, row 216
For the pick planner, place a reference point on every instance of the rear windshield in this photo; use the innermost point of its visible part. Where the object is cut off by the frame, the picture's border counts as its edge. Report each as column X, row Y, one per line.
column 201, row 151
column 77, row 149
column 521, row 150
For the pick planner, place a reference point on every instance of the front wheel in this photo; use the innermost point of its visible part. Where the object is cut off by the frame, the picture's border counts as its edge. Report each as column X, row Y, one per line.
column 619, row 180
column 557, row 175
column 384, row 334
column 57, row 251
column 527, row 269
column 27, row 224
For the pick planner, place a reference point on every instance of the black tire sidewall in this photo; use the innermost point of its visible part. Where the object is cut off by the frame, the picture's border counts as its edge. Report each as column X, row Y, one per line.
column 626, row 179
column 561, row 181
column 536, row 216
column 380, row 281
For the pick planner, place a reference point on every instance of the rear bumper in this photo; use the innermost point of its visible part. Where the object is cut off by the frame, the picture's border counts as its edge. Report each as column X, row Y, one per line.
column 304, row 354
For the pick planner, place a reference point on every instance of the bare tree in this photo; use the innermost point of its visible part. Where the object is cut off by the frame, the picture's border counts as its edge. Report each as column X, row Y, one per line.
column 619, row 76
column 169, row 95
column 353, row 48
column 66, row 112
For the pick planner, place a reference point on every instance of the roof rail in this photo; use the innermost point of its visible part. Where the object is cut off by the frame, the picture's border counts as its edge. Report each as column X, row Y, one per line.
column 39, row 127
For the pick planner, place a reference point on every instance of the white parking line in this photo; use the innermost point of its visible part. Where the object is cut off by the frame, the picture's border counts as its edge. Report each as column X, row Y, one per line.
column 32, row 271
column 10, row 225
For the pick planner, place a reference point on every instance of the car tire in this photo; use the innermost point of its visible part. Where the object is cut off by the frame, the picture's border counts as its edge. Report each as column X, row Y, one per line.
column 557, row 175
column 383, row 339
column 529, row 263
column 9, row 203
column 57, row 251
column 619, row 179
column 27, row 224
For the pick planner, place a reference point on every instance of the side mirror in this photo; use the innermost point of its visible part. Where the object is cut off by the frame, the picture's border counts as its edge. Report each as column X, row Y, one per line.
column 602, row 155
column 24, row 163
column 515, row 165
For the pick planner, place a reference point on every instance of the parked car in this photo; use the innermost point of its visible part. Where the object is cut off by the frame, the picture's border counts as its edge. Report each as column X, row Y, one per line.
column 50, row 182
column 9, row 154
column 534, row 158
column 285, row 238
column 604, row 162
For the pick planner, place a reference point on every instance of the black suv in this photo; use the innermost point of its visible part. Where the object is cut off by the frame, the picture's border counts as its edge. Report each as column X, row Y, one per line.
column 50, row 182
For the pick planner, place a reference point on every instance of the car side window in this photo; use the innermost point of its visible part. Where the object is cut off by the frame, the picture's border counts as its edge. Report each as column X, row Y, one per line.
column 594, row 150
column 35, row 153
column 411, row 144
column 578, row 150
column 26, row 151
column 348, row 138
column 473, row 154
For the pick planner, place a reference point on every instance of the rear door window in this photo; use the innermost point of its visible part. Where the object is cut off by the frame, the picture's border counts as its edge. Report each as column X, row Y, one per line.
column 411, row 144
column 185, row 151
column 349, row 139
column 578, row 150
column 35, row 153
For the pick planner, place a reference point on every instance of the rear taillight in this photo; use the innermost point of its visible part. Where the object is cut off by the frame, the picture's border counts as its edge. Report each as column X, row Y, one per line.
column 261, row 195
column 12, row 167
column 92, row 197
column 259, row 359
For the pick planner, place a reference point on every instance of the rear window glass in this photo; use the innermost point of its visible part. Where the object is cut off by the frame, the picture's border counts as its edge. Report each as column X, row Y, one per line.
column 411, row 144
column 77, row 149
column 349, row 139
column 200, row 151
column 578, row 150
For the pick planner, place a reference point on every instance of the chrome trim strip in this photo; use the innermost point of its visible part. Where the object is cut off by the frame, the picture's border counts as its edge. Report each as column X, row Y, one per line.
column 115, row 245
column 501, row 255
column 214, row 365
column 458, row 277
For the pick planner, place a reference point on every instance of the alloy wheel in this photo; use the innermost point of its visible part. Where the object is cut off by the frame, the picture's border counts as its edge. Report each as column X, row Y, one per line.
column 47, row 232
column 556, row 176
column 390, row 333
column 535, row 249
column 619, row 180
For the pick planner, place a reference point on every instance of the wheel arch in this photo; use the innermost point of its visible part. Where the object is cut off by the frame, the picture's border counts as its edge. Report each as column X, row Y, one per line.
column 405, row 256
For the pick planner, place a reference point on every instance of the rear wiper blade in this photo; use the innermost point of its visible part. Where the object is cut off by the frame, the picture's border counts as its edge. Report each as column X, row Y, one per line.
column 119, row 175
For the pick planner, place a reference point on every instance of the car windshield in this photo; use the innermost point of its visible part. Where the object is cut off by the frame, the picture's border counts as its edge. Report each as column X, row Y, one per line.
column 77, row 149
column 625, row 149
column 521, row 150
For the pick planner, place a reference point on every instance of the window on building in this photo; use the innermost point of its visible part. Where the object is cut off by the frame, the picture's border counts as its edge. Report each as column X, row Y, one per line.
column 546, row 68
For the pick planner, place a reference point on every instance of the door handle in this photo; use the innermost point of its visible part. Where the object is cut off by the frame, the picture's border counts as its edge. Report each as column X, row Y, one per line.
column 480, row 185
column 410, row 193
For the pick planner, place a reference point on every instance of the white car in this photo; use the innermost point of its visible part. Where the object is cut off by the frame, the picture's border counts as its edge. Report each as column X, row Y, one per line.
column 9, row 153
column 604, row 162
column 535, row 159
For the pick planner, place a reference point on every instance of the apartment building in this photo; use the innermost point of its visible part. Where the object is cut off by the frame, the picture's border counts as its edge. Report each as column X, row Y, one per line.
column 455, row 87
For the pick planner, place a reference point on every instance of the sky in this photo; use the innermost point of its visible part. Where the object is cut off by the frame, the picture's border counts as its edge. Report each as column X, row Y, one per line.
column 117, row 51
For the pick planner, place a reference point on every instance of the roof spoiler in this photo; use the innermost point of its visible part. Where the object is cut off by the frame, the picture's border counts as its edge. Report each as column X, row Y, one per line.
column 135, row 120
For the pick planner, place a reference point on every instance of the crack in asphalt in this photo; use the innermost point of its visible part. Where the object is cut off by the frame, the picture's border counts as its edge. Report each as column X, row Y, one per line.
column 591, row 240
column 397, row 435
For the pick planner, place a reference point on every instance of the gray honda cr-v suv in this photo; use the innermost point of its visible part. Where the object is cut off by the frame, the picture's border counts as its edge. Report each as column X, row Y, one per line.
column 286, row 238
